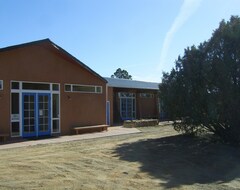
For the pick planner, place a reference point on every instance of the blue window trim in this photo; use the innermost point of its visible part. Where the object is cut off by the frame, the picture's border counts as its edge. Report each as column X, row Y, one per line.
column 36, row 132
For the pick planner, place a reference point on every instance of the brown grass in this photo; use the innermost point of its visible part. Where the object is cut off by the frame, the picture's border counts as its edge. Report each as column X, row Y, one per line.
column 158, row 158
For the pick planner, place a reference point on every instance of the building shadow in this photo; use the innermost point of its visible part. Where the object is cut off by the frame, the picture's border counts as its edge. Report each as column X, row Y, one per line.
column 183, row 160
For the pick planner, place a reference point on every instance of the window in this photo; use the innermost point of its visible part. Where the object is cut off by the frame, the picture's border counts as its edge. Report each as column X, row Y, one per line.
column 55, row 87
column 77, row 88
column 146, row 95
column 83, row 88
column 15, row 119
column 35, row 86
column 15, row 129
column 1, row 84
column 126, row 95
column 15, row 85
column 68, row 88
column 55, row 113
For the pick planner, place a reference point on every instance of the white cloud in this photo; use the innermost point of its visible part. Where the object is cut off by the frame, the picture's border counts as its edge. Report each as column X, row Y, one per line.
column 187, row 9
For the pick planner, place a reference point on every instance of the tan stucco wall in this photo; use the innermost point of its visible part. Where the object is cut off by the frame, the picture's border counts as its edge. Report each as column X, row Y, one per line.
column 44, row 63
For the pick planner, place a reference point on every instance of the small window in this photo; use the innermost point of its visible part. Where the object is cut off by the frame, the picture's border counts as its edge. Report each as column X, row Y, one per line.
column 146, row 95
column 15, row 85
column 36, row 86
column 1, row 84
column 126, row 95
column 55, row 106
column 67, row 87
column 56, row 126
column 77, row 88
column 83, row 88
column 15, row 129
column 98, row 89
column 15, row 103
column 55, row 87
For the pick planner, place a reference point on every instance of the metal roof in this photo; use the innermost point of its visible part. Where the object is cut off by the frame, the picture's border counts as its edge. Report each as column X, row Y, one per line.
column 125, row 83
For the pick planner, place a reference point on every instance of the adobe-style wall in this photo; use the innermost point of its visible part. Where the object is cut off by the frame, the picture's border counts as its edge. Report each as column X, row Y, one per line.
column 44, row 63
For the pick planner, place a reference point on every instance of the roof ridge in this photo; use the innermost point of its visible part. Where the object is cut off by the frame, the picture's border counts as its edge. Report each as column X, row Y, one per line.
column 24, row 44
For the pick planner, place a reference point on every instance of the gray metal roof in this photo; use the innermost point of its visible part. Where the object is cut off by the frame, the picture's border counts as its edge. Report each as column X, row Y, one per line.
column 125, row 83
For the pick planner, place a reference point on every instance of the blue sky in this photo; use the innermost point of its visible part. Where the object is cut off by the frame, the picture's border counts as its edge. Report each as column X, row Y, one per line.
column 144, row 37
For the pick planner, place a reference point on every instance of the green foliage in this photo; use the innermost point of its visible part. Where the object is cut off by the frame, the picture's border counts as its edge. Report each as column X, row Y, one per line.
column 121, row 74
column 203, row 90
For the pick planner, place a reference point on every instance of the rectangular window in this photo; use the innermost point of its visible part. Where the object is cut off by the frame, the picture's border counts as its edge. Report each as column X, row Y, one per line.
column 146, row 95
column 15, row 85
column 15, row 129
column 15, row 103
column 78, row 88
column 55, row 87
column 68, row 88
column 1, row 84
column 55, row 105
column 35, row 86
column 55, row 128
column 126, row 95
column 15, row 119
column 83, row 88
column 55, row 113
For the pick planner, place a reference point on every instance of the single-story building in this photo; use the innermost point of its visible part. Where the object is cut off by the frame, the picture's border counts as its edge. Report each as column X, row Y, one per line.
column 44, row 90
column 131, row 99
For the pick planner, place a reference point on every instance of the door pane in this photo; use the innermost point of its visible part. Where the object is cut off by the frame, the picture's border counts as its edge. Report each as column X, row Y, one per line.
column 43, row 113
column 28, row 114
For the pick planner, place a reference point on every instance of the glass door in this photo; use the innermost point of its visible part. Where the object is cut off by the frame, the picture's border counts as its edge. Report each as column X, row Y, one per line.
column 29, row 115
column 127, row 108
column 36, row 114
column 43, row 112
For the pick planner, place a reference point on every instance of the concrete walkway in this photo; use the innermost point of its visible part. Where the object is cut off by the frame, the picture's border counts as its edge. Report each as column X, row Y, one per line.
column 112, row 131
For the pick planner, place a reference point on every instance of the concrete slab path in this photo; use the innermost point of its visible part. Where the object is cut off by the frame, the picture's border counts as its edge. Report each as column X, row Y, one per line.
column 112, row 131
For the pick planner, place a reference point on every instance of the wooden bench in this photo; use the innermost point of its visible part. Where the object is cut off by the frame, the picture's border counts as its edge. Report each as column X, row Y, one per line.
column 87, row 129
column 3, row 137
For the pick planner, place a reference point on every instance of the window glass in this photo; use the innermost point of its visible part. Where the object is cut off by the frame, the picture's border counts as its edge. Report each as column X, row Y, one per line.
column 126, row 95
column 55, row 106
column 77, row 88
column 55, row 87
column 56, row 128
column 15, row 129
column 68, row 88
column 35, row 86
column 15, row 103
column 15, row 85
column 99, row 89
column 83, row 88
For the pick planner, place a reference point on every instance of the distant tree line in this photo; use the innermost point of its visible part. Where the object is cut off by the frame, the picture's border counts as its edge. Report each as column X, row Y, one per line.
column 203, row 90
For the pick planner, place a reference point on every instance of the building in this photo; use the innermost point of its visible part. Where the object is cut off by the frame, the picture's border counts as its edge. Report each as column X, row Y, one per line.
column 45, row 91
column 131, row 99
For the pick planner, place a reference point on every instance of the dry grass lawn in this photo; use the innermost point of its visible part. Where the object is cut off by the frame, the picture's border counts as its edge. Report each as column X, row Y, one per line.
column 158, row 158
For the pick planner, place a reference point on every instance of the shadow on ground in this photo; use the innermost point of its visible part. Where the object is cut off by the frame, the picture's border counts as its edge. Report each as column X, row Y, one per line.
column 182, row 160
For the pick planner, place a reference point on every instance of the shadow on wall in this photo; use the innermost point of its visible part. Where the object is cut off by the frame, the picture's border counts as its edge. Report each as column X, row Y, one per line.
column 183, row 160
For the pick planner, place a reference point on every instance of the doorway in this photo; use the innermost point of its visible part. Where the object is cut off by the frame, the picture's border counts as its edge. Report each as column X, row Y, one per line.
column 36, row 115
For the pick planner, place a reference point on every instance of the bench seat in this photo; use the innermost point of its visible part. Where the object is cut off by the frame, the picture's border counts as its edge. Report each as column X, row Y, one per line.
column 88, row 129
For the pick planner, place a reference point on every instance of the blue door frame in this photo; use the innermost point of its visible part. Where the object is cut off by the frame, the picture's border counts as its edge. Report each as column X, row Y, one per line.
column 31, row 114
